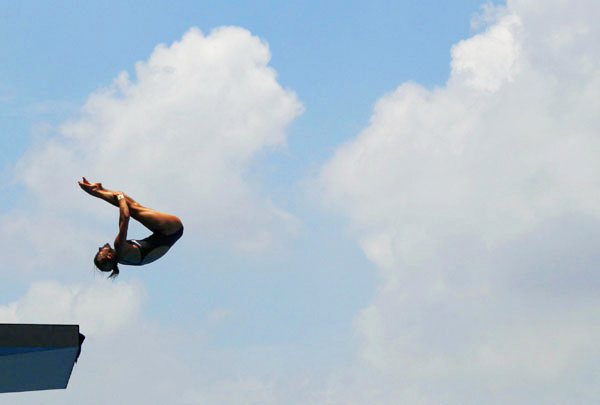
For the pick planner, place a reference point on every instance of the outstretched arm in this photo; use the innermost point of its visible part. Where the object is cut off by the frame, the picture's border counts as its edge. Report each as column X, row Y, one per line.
column 123, row 221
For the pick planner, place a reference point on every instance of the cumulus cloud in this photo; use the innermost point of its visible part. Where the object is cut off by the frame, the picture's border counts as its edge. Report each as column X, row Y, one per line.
column 123, row 359
column 466, row 196
column 100, row 308
column 487, row 60
column 126, row 359
column 40, row 242
column 178, row 137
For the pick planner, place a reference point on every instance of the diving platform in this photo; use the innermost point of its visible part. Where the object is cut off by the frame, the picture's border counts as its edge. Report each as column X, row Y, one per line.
column 37, row 357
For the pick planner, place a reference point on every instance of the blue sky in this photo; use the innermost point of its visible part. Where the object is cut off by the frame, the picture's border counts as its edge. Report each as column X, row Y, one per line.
column 338, row 58
column 367, row 189
column 58, row 53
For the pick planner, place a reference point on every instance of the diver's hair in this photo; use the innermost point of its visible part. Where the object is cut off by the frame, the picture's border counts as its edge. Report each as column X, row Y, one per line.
column 115, row 272
column 97, row 262
column 115, row 268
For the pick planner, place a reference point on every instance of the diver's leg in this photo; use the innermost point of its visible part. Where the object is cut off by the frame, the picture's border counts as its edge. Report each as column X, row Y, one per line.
column 102, row 193
column 107, row 195
column 110, row 197
column 156, row 221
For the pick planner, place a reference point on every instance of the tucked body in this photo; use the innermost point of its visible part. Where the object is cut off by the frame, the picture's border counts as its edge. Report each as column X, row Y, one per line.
column 166, row 230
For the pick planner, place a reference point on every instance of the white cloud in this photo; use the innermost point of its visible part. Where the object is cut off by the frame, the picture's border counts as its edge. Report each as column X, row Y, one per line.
column 100, row 308
column 38, row 242
column 126, row 359
column 478, row 202
column 178, row 138
column 487, row 60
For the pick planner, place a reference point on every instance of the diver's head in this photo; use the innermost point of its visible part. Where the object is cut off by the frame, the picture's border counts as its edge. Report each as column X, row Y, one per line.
column 106, row 259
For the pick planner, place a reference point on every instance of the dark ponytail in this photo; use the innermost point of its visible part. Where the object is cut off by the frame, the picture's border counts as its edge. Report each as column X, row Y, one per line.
column 115, row 271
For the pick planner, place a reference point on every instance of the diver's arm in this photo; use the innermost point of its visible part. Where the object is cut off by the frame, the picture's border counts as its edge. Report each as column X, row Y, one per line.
column 123, row 221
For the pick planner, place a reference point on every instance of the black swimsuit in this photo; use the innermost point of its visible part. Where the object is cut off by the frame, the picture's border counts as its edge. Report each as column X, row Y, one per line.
column 149, row 244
